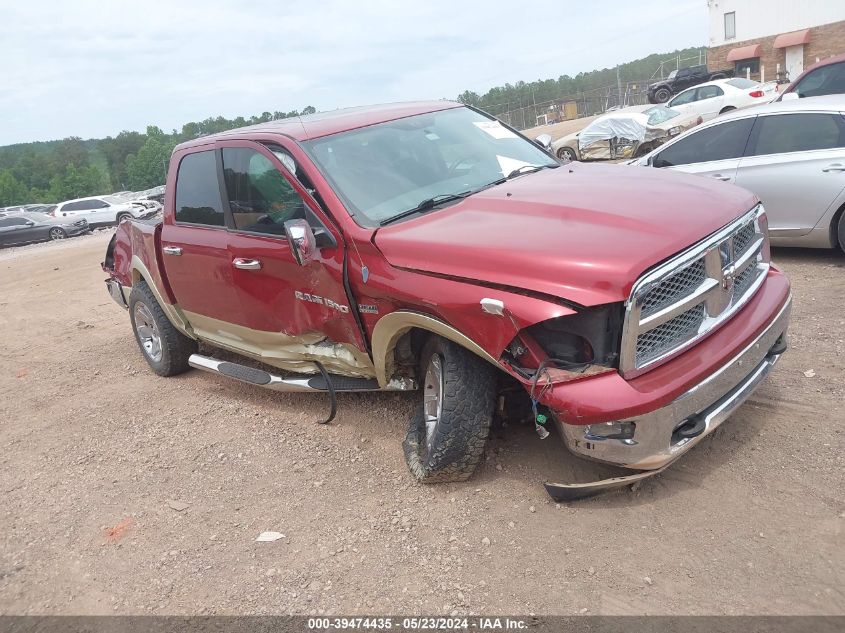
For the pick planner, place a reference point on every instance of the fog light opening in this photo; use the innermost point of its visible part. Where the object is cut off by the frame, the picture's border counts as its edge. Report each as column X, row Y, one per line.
column 611, row 431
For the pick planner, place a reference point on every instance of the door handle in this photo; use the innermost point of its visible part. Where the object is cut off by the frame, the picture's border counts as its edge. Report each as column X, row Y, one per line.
column 172, row 250
column 246, row 264
column 834, row 167
column 720, row 177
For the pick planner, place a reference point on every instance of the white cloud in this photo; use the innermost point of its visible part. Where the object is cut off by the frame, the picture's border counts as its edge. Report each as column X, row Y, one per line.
column 91, row 68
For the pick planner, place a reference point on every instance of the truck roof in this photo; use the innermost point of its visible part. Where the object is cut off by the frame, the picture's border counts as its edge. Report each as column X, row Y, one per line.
column 312, row 126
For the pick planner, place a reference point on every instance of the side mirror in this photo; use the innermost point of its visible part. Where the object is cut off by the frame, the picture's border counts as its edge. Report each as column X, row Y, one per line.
column 30, row 223
column 790, row 96
column 302, row 242
column 544, row 141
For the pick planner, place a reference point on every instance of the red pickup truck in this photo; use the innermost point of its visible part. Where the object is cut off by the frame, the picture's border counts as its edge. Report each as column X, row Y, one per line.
column 429, row 247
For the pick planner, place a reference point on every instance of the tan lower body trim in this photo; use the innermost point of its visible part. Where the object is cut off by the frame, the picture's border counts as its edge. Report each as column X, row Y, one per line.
column 277, row 349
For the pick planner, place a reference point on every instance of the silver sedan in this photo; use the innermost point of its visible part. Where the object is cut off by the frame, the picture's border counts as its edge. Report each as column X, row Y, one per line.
column 790, row 154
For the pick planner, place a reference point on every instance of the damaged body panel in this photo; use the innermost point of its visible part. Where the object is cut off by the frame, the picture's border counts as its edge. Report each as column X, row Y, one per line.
column 626, row 133
column 361, row 251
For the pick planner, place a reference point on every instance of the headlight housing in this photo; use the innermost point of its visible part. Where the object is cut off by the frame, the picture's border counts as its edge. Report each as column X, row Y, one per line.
column 579, row 343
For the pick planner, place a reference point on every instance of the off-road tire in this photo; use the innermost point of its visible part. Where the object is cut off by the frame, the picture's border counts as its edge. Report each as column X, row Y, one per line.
column 466, row 414
column 561, row 154
column 176, row 348
column 662, row 95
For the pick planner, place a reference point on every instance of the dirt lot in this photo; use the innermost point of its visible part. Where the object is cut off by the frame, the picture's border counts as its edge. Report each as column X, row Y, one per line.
column 97, row 451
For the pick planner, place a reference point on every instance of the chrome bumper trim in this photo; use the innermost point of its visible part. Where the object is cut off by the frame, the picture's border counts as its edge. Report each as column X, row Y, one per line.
column 710, row 403
column 116, row 292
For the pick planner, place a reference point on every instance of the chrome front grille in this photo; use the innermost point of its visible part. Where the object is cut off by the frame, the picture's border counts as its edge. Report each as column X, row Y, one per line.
column 681, row 301
column 680, row 329
column 677, row 284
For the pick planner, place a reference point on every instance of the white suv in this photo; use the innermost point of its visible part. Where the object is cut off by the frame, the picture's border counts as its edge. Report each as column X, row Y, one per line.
column 106, row 209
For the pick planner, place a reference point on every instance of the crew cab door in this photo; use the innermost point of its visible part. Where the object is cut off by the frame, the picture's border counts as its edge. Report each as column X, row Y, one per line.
column 288, row 311
column 195, row 249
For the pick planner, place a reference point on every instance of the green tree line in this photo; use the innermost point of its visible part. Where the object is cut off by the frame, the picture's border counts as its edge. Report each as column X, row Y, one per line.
column 521, row 94
column 54, row 171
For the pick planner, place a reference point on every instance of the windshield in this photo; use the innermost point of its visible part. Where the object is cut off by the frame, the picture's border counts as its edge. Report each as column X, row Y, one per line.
column 384, row 170
column 672, row 74
column 660, row 114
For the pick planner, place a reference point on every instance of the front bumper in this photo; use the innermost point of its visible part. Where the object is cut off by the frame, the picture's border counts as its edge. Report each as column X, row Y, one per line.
column 662, row 435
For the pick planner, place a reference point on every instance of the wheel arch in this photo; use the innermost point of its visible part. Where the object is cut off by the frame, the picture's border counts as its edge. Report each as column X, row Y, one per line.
column 140, row 272
column 834, row 228
column 394, row 326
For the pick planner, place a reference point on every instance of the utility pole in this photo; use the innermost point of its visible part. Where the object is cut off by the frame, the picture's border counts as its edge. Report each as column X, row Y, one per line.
column 618, row 87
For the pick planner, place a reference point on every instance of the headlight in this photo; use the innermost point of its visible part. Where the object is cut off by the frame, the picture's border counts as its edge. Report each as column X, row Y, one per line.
column 674, row 131
column 579, row 343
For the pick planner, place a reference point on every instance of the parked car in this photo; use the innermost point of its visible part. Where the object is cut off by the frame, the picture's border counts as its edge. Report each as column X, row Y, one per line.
column 681, row 79
column 825, row 77
column 624, row 133
column 717, row 97
column 37, row 227
column 429, row 247
column 790, row 154
column 102, row 210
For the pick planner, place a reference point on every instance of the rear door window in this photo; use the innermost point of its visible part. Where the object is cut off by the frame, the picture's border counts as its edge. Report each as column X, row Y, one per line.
column 708, row 92
column 718, row 142
column 800, row 132
column 260, row 198
column 197, row 190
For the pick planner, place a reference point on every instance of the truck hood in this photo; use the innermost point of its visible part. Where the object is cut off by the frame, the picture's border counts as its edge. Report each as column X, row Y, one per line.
column 580, row 232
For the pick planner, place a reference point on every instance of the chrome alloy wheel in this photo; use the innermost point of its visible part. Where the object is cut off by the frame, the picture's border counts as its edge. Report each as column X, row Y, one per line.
column 432, row 397
column 148, row 333
column 57, row 234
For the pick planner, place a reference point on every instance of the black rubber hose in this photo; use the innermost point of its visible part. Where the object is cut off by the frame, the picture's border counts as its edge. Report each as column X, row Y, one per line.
column 332, row 394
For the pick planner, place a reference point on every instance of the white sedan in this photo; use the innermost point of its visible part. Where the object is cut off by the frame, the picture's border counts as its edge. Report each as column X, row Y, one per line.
column 102, row 210
column 717, row 97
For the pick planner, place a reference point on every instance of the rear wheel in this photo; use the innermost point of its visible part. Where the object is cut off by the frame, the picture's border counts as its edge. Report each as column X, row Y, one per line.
column 447, row 434
column 165, row 348
column 57, row 234
column 726, row 109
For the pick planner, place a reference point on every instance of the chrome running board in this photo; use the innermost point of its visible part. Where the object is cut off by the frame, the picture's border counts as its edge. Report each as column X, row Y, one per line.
column 317, row 383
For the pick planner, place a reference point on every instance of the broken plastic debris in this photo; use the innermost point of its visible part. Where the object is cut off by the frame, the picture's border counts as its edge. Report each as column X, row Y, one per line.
column 809, row 373
column 269, row 537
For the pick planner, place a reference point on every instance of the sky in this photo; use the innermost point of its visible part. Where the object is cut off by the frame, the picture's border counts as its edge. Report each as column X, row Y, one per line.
column 94, row 68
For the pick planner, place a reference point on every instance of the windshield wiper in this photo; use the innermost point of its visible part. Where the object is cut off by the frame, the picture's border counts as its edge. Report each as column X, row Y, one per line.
column 528, row 169
column 426, row 205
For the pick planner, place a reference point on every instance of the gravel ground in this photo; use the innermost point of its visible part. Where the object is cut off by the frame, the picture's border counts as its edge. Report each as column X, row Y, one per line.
column 127, row 493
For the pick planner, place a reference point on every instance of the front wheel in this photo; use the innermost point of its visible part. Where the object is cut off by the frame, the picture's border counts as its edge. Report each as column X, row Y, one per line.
column 57, row 234
column 661, row 95
column 447, row 434
column 165, row 348
column 124, row 216
column 841, row 232
column 567, row 154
